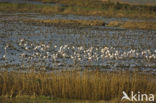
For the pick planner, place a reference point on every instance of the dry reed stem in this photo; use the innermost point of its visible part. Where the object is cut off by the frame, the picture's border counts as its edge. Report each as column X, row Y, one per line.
column 74, row 84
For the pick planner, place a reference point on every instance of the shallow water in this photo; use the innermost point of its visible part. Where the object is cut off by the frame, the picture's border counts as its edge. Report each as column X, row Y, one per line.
column 95, row 47
column 144, row 2
column 27, row 2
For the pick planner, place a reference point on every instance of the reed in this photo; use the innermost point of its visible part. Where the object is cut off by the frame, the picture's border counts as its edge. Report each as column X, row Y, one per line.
column 66, row 22
column 89, row 7
column 93, row 85
column 128, row 24
column 133, row 25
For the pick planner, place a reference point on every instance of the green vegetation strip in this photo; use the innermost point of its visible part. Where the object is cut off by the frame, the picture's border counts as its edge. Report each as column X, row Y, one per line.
column 89, row 7
column 93, row 85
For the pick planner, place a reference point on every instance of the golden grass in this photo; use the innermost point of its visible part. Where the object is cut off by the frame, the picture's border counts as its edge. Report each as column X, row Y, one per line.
column 128, row 24
column 133, row 25
column 66, row 22
column 43, row 99
column 89, row 7
column 75, row 84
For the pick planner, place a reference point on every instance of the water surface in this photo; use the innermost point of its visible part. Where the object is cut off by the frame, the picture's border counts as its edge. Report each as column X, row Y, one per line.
column 94, row 47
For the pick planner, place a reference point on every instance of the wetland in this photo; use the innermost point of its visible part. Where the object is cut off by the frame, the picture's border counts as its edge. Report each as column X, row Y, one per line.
column 72, row 52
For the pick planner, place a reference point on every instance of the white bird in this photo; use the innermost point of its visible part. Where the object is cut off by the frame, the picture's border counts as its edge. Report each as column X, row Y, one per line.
column 23, row 55
column 26, row 48
column 48, row 46
column 4, row 56
column 21, row 40
column 25, row 44
column 55, row 46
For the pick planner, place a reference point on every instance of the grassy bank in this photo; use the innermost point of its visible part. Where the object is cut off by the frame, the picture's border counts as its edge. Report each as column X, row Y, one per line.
column 133, row 25
column 127, row 25
column 75, row 85
column 66, row 22
column 89, row 7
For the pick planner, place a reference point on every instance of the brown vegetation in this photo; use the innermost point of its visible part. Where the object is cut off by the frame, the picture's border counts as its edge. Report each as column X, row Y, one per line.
column 66, row 22
column 128, row 24
column 89, row 7
column 75, row 84
column 133, row 25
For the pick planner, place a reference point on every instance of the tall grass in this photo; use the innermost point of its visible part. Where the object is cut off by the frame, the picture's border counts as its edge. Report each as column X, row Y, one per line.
column 75, row 84
column 87, row 7
column 99, row 4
